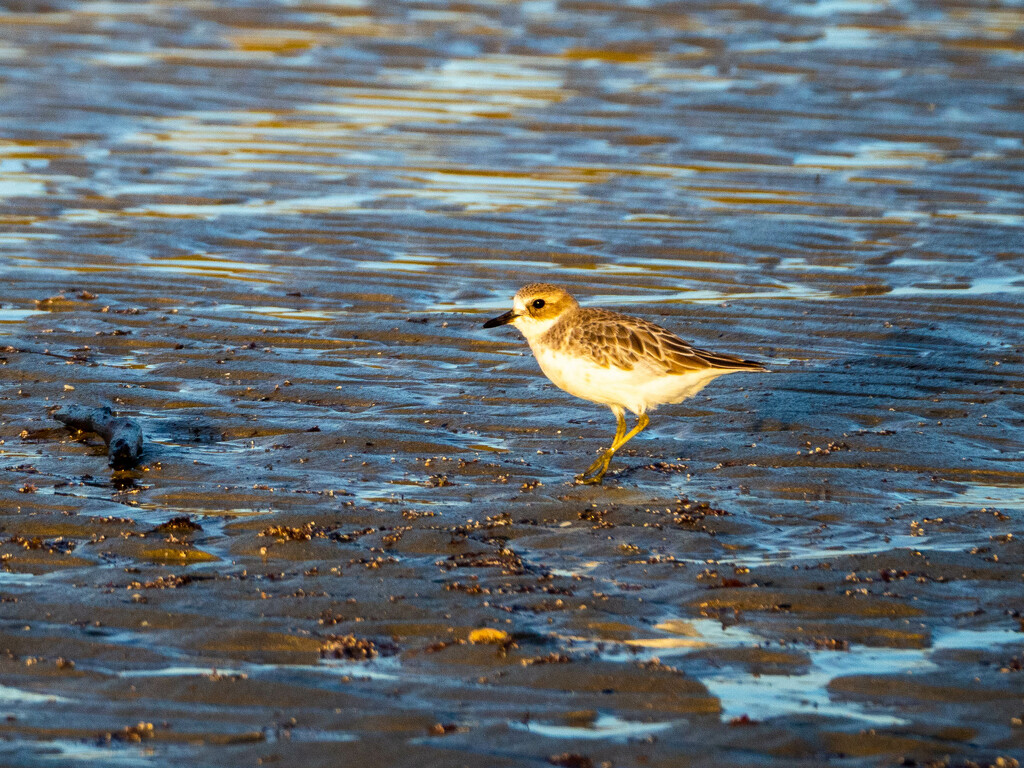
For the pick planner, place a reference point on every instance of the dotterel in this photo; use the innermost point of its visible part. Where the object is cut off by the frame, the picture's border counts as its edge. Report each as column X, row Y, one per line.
column 624, row 362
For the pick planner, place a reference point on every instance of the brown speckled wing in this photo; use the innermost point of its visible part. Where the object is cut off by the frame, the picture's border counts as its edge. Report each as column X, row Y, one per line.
column 620, row 341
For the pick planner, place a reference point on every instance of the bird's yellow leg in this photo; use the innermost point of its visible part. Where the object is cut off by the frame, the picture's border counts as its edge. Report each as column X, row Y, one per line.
column 641, row 423
column 606, row 455
column 595, row 473
column 620, row 426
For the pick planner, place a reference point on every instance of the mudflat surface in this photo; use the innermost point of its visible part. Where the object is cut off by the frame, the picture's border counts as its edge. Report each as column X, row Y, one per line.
column 270, row 233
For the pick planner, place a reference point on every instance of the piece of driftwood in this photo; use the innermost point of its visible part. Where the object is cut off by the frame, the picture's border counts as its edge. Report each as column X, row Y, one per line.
column 123, row 436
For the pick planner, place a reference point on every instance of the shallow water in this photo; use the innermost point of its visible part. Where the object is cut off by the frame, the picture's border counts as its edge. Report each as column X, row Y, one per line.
column 271, row 232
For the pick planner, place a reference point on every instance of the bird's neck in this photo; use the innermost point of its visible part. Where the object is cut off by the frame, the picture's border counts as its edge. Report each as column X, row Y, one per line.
column 547, row 332
column 537, row 331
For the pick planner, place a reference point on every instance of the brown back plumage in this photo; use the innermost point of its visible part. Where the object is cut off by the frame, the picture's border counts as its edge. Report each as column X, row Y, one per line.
column 614, row 340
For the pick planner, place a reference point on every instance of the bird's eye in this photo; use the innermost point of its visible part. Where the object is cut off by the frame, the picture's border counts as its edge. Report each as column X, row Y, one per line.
column 538, row 303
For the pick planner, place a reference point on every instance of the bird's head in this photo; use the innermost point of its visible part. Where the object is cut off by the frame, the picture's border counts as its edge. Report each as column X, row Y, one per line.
column 535, row 308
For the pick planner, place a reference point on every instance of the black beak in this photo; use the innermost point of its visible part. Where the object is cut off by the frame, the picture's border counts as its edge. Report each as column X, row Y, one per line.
column 505, row 319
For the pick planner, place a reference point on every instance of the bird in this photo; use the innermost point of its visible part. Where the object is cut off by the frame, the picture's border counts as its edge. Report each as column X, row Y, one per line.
column 624, row 362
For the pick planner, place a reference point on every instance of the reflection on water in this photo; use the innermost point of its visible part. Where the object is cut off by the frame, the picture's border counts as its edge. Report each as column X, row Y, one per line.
column 9, row 696
column 14, row 317
column 70, row 752
column 604, row 726
column 803, row 690
column 978, row 495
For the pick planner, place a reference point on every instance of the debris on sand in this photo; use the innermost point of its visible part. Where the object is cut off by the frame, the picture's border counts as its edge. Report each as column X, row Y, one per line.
column 123, row 436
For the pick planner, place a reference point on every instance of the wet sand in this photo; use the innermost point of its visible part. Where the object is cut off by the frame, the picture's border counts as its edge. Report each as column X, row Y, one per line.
column 271, row 236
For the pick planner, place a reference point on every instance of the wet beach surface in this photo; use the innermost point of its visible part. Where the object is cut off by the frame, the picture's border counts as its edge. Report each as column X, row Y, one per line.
column 271, row 232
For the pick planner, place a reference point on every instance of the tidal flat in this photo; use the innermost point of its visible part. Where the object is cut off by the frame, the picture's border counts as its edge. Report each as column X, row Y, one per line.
column 270, row 233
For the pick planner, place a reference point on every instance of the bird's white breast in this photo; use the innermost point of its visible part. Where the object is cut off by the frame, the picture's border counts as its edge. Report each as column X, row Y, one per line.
column 638, row 390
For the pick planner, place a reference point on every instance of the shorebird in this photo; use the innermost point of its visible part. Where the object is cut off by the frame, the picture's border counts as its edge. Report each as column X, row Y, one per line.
column 624, row 362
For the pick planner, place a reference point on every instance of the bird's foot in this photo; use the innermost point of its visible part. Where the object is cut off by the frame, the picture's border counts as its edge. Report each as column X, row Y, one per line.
column 594, row 474
column 600, row 463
